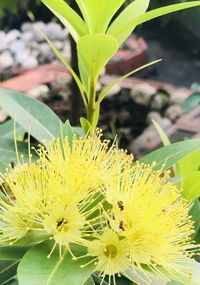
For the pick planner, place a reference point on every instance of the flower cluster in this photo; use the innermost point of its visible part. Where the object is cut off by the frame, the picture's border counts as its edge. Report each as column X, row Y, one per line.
column 88, row 192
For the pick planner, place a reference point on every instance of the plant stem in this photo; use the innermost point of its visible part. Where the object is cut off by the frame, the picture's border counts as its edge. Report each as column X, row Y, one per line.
column 93, row 108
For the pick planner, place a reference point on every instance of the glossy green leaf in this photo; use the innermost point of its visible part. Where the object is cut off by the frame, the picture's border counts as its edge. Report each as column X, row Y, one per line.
column 195, row 213
column 132, row 11
column 8, row 271
column 8, row 129
column 190, row 163
column 191, row 102
column 34, row 116
column 85, row 124
column 12, row 252
column 95, row 51
column 98, row 13
column 162, row 134
column 167, row 156
column 67, row 65
column 36, row 269
column 194, row 266
column 191, row 186
column 122, row 30
column 90, row 281
column 106, row 89
column 71, row 20
column 8, row 151
column 3, row 166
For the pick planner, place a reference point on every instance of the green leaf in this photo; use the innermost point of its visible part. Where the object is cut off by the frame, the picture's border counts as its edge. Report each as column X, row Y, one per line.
column 85, row 124
column 195, row 213
column 106, row 89
column 98, row 13
column 167, row 156
column 8, row 129
column 94, row 52
column 71, row 20
column 178, row 277
column 132, row 11
column 8, row 271
column 34, row 116
column 66, row 64
column 8, row 151
column 166, row 141
column 90, row 281
column 189, row 163
column 36, row 269
column 3, row 166
column 191, row 186
column 191, row 102
column 122, row 30
column 162, row 134
column 12, row 252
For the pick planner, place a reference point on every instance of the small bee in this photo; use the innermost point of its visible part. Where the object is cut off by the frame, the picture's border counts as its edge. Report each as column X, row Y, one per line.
column 121, row 226
column 120, row 205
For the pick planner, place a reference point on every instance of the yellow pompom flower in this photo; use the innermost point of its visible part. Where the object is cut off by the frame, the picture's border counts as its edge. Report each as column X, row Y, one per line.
column 148, row 211
column 57, row 194
column 111, row 254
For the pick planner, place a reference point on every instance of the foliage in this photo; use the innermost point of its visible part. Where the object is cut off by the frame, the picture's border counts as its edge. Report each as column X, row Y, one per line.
column 71, row 199
column 194, row 100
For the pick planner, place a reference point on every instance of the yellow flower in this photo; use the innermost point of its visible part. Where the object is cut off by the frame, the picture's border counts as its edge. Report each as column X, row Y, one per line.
column 58, row 194
column 150, row 214
column 87, row 162
column 111, row 254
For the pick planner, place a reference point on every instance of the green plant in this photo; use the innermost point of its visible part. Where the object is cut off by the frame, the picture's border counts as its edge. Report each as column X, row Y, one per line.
column 192, row 101
column 66, row 206
column 98, row 40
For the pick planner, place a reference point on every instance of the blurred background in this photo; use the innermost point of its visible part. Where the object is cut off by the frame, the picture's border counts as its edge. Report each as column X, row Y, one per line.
column 168, row 92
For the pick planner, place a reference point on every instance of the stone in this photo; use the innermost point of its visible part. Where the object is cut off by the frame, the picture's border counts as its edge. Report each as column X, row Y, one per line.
column 59, row 44
column 114, row 90
column 36, row 28
column 174, row 112
column 40, row 92
column 3, row 45
column 178, row 96
column 22, row 57
column 26, row 27
column 60, row 84
column 17, row 46
column 141, row 144
column 30, row 63
column 142, row 93
column 13, row 36
column 6, row 61
column 46, row 51
column 160, row 100
column 27, row 36
column 66, row 52
column 155, row 116
column 55, row 32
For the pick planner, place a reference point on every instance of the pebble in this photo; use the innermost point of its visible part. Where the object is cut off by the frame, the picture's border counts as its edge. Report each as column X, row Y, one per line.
column 27, row 47
column 142, row 143
column 142, row 93
column 39, row 92
column 6, row 61
column 17, row 46
column 174, row 112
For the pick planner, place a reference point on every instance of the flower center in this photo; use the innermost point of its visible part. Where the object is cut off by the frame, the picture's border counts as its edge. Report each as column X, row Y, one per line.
column 110, row 251
column 62, row 225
